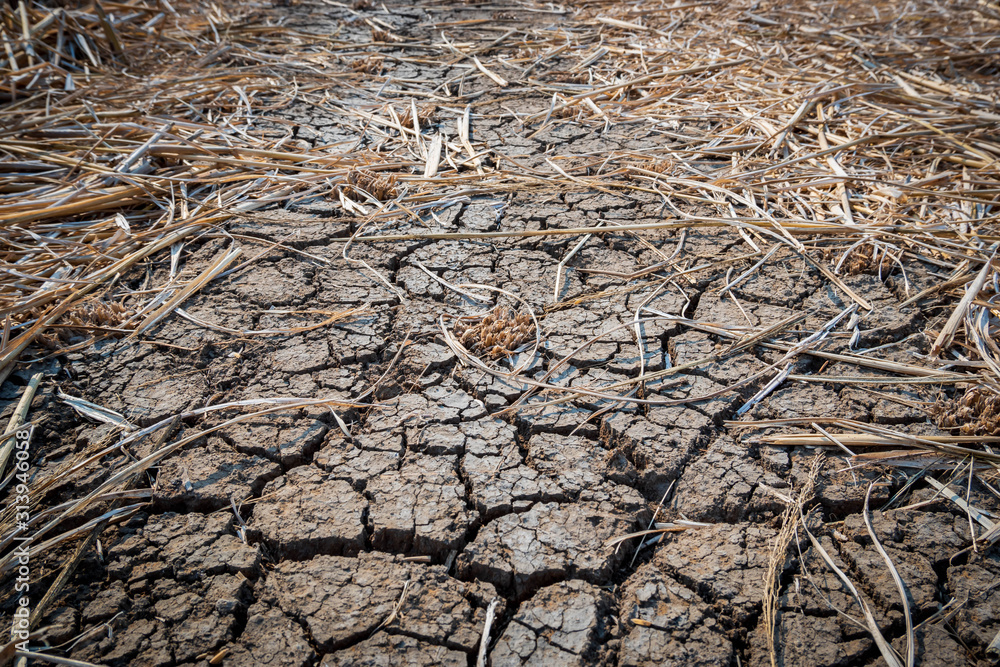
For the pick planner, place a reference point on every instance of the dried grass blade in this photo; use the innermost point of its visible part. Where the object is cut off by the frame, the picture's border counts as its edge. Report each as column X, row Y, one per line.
column 779, row 553
column 463, row 135
column 883, row 646
column 766, row 390
column 499, row 80
column 433, row 157
column 24, row 656
column 484, row 642
column 947, row 334
column 109, row 30
column 981, row 518
column 663, row 76
column 17, row 419
column 911, row 644
column 206, row 277
column 95, row 412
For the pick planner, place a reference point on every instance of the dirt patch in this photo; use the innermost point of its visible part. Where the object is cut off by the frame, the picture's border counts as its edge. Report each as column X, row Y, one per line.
column 563, row 624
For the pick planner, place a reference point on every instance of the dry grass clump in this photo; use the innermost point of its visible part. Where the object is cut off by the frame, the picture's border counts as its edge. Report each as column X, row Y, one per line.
column 496, row 335
column 98, row 314
column 95, row 317
column 976, row 412
column 778, row 555
column 368, row 64
column 569, row 77
column 638, row 169
column 866, row 259
column 384, row 36
column 382, row 188
column 426, row 114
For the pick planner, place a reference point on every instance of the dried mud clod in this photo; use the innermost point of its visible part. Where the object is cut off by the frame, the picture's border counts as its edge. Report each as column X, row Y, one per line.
column 497, row 334
column 977, row 412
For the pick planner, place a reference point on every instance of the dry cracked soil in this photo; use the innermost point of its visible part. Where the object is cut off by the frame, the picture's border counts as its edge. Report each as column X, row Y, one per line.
column 383, row 535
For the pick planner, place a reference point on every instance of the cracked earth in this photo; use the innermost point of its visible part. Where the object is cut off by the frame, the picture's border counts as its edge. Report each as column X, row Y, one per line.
column 380, row 534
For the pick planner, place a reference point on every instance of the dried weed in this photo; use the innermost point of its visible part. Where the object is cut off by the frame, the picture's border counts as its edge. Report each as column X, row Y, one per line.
column 496, row 335
column 976, row 412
